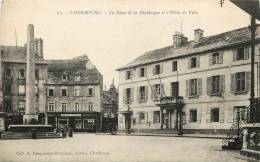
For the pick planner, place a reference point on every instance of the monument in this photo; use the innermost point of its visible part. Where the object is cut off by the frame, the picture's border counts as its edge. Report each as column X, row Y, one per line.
column 30, row 116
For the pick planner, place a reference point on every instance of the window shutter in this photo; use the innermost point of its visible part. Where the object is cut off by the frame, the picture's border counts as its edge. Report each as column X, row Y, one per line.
column 161, row 68
column 234, row 54
column 208, row 115
column 199, row 86
column 233, row 82
column 124, row 96
column 198, row 62
column 139, row 72
column 189, row 63
column 222, row 83
column 210, row 59
column 132, row 74
column 132, row 95
column 221, row 115
column 138, row 93
column 209, row 84
column 230, row 114
column 145, row 71
column 187, row 88
column 153, row 70
column 162, row 91
column 248, row 81
column 199, row 115
column 152, row 90
column 246, row 52
column 187, row 116
column 146, row 93
column 221, row 57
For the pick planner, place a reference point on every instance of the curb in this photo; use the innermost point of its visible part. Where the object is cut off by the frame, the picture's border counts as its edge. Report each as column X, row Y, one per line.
column 163, row 135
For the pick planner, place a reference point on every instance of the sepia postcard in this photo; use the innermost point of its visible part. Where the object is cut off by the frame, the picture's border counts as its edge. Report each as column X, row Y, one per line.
column 129, row 80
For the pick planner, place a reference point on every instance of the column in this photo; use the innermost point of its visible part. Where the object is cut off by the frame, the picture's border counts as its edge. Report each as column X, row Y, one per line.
column 161, row 113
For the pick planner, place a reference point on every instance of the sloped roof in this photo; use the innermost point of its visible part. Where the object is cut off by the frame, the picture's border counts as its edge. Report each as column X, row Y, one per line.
column 17, row 54
column 205, row 44
column 73, row 66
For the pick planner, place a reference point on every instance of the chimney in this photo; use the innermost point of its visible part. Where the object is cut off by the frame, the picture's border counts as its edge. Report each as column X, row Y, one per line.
column 38, row 47
column 179, row 39
column 198, row 34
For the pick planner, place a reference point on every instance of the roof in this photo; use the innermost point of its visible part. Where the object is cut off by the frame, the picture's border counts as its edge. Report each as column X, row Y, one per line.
column 72, row 66
column 218, row 41
column 17, row 54
column 252, row 7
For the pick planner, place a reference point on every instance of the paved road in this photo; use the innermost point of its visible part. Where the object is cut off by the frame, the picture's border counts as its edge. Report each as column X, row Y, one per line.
column 91, row 147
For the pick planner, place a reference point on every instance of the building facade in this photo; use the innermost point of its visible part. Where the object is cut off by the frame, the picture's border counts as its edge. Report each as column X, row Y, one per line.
column 74, row 94
column 197, row 85
column 13, row 83
column 110, row 108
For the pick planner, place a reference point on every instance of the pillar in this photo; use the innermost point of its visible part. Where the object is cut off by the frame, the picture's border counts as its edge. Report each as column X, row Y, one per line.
column 161, row 118
column 245, row 142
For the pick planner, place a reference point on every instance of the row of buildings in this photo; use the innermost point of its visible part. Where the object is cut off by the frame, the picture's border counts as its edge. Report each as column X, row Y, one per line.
column 67, row 92
column 195, row 85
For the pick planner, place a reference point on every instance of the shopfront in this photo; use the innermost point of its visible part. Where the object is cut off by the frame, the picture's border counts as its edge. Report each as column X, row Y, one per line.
column 79, row 122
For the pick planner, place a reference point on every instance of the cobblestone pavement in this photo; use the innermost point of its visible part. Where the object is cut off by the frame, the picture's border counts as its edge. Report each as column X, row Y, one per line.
column 92, row 147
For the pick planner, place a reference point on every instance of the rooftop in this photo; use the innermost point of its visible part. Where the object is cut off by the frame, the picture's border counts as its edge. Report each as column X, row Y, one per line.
column 209, row 43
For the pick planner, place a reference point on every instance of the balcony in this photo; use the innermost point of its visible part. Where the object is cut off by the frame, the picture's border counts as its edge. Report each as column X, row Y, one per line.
column 169, row 101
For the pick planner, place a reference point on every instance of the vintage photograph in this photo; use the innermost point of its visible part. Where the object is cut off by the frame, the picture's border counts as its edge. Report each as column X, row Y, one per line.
column 129, row 81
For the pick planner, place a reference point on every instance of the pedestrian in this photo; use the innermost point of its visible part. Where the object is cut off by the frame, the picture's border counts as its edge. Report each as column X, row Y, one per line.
column 64, row 134
column 70, row 132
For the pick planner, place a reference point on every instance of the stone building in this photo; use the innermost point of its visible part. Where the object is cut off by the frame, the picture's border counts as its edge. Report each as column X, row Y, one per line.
column 110, row 108
column 13, row 83
column 74, row 94
column 197, row 85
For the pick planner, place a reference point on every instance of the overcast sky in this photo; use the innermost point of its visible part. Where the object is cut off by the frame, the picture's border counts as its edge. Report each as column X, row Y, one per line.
column 111, row 41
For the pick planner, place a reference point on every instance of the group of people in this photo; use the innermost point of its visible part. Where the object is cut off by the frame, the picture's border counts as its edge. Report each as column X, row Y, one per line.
column 67, row 131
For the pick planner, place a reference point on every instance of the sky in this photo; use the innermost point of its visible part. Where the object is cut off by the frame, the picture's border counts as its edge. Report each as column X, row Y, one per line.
column 113, row 33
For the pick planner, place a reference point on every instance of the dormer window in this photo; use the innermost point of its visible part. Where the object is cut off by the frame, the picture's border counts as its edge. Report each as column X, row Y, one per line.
column 64, row 77
column 77, row 77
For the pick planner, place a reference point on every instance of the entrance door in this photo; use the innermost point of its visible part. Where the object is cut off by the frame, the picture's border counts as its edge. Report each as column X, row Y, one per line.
column 175, row 88
column 128, row 121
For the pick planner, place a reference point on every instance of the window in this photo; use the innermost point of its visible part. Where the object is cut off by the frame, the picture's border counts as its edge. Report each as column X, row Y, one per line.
column 77, row 91
column 141, row 117
column 193, row 115
column 51, row 106
column 174, row 66
column 193, row 87
column 21, row 89
column 76, row 106
column 21, row 105
column 241, row 110
column 215, row 84
column 128, row 74
column 90, row 106
column 142, row 72
column 241, row 53
column 142, row 93
column 64, row 106
column 240, row 82
column 215, row 115
column 175, row 89
column 51, row 92
column 21, row 74
column 8, row 72
column 77, row 77
column 90, row 91
column 63, row 92
column 36, row 74
column 156, row 116
column 215, row 58
column 156, row 91
column 157, row 69
column 193, row 62
column 64, row 77
column 128, row 97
